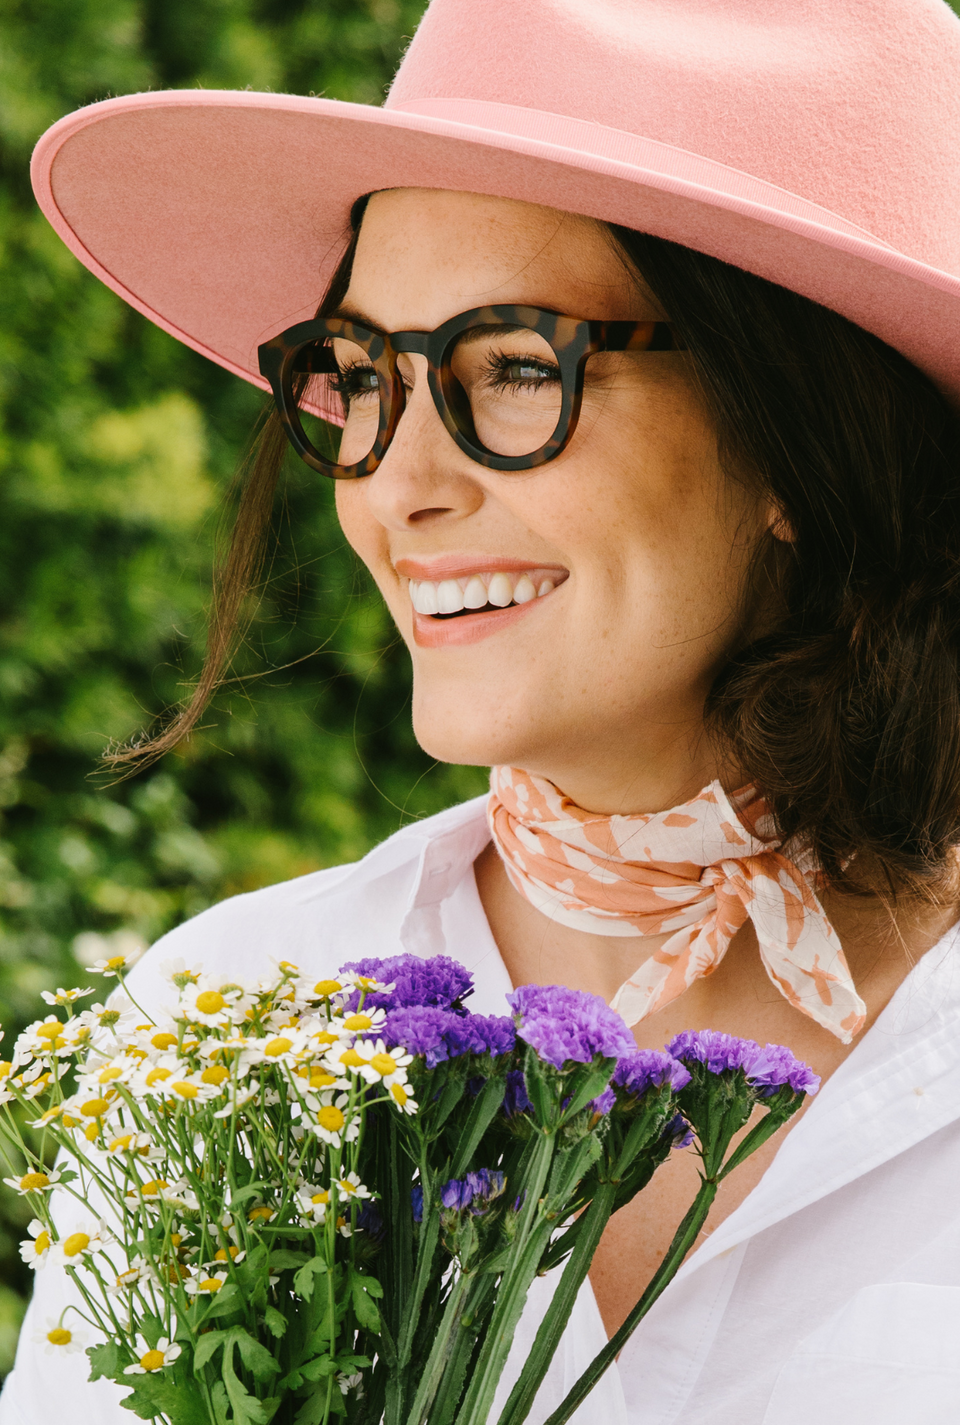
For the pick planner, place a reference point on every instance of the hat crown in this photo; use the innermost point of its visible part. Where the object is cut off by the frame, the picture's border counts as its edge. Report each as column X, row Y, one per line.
column 854, row 107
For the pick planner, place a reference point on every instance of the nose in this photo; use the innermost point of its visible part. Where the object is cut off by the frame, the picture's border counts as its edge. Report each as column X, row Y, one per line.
column 424, row 477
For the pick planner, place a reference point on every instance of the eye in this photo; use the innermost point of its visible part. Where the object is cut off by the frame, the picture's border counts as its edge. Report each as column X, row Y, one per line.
column 354, row 381
column 520, row 372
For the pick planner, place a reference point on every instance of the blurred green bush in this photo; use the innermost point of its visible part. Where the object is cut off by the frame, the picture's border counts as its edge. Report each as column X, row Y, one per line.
column 116, row 447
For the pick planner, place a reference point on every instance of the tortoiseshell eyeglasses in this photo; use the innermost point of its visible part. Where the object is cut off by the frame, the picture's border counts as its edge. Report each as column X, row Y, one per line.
column 507, row 382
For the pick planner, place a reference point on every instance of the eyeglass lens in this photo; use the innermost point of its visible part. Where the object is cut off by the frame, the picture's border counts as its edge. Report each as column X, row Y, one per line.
column 503, row 381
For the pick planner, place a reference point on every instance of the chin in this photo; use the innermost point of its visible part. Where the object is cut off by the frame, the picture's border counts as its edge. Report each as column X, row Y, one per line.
column 467, row 743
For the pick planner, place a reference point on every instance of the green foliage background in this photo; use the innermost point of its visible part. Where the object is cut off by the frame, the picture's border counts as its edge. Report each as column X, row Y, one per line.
column 117, row 446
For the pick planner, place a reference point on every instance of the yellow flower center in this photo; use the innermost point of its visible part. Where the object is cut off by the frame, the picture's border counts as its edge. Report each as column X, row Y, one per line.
column 154, row 1187
column 320, row 1197
column 320, row 1079
column 176, row 1239
column 50, row 1030
column 59, row 1336
column 223, row 1252
column 326, row 988
column 122, row 1143
column 41, row 1242
column 211, row 1284
column 74, row 1244
column 346, row 1186
column 163, row 1040
column 92, row 1131
column 34, row 1182
column 69, row 1121
column 210, row 1002
column 399, row 1093
column 260, row 1214
column 152, row 1360
column 384, row 1064
column 351, row 1059
column 132, row 1052
column 278, row 1046
column 157, row 1076
column 288, row 967
column 358, row 1021
column 185, row 1090
column 116, row 962
column 325, row 1037
column 94, row 1107
column 215, row 1074
column 5, row 1069
column 108, row 1074
column 331, row 1119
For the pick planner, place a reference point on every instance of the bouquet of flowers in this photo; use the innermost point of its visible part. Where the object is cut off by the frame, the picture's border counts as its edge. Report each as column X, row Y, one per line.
column 290, row 1200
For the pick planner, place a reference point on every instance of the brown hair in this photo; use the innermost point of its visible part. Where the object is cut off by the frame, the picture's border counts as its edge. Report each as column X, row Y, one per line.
column 848, row 716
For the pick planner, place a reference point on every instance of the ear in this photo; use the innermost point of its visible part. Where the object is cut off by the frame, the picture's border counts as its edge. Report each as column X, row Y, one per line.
column 780, row 527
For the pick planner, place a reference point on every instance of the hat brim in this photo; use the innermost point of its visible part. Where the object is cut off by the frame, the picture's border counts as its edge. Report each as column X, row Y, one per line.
column 221, row 216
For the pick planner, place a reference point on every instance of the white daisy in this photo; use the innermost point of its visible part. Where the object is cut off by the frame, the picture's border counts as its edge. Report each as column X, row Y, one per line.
column 35, row 1248
column 154, row 1358
column 59, row 1339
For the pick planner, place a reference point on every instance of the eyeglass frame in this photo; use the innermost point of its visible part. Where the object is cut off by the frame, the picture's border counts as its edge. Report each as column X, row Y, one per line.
column 572, row 340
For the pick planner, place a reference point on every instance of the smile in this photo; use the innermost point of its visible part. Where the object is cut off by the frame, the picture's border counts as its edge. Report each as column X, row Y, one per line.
column 482, row 592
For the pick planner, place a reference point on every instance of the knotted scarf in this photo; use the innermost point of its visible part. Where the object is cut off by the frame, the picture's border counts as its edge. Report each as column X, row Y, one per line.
column 698, row 871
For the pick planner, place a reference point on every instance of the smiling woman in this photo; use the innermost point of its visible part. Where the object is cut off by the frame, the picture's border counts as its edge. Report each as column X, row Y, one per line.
column 645, row 424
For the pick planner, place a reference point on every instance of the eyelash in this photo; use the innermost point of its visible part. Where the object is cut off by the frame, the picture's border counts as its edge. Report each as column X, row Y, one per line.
column 496, row 368
column 347, row 382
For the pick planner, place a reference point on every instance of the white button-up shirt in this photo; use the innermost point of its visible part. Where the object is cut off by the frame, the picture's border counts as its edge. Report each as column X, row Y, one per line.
column 831, row 1296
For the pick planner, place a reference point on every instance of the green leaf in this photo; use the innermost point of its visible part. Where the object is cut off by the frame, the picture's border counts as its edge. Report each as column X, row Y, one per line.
column 105, row 1361
column 206, row 1348
column 275, row 1321
column 284, row 1261
column 223, row 1303
column 246, row 1407
column 362, row 1292
column 156, row 1394
column 255, row 1356
column 304, row 1281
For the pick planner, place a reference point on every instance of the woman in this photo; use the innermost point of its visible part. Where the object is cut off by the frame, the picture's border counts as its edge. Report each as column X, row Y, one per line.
column 674, row 549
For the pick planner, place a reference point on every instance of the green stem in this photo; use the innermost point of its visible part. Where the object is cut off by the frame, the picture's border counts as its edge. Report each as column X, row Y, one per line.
column 437, row 1360
column 591, row 1227
column 683, row 1240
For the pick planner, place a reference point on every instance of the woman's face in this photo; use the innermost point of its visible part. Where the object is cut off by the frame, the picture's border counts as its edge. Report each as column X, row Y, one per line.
column 628, row 554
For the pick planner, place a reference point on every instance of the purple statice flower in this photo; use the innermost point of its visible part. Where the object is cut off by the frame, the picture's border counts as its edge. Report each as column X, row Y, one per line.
column 473, row 1191
column 516, row 1098
column 438, row 982
column 420, row 1029
column 416, row 1200
column 604, row 1102
column 440, row 1034
column 456, row 1195
column 637, row 1072
column 565, row 1025
column 677, row 1132
column 492, row 1034
column 768, row 1068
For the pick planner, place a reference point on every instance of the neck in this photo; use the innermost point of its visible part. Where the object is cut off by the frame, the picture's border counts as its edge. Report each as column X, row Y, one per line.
column 603, row 783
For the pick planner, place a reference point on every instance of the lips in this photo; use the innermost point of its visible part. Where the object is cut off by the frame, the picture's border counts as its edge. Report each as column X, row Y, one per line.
column 465, row 601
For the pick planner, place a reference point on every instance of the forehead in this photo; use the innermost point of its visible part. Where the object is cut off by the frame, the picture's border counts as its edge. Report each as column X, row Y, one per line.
column 425, row 255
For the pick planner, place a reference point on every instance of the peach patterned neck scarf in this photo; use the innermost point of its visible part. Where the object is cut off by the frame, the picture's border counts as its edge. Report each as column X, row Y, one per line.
column 698, row 870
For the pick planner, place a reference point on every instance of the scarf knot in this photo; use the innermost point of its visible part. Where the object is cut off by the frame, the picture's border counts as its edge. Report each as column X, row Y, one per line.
column 695, row 873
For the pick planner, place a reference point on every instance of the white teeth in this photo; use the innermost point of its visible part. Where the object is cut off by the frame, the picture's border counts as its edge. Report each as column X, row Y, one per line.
column 475, row 594
column 478, row 591
column 425, row 598
column 500, row 591
column 449, row 597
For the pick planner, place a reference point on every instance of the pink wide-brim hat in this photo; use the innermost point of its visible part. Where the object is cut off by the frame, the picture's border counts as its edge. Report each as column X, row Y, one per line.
column 815, row 143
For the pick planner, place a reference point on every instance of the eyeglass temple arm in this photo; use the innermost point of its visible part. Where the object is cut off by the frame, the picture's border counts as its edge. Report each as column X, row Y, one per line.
column 640, row 336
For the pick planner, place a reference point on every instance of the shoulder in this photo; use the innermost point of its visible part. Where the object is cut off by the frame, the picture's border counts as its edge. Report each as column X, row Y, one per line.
column 321, row 919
